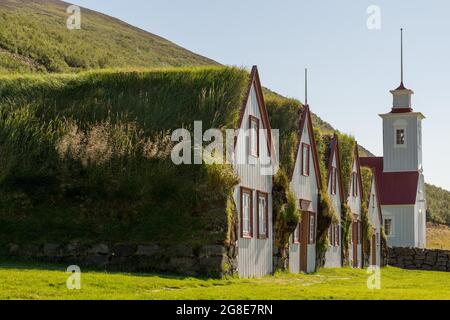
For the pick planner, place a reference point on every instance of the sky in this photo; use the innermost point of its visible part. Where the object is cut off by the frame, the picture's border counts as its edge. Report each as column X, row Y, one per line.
column 351, row 67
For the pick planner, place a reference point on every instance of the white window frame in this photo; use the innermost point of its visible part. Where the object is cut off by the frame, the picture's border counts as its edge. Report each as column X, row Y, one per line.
column 306, row 160
column 392, row 226
column 254, row 124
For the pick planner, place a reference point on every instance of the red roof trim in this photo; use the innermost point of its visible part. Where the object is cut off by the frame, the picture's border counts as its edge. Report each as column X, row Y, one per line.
column 401, row 110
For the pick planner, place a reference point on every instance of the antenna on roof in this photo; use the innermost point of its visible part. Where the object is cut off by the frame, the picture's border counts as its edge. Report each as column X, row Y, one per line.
column 401, row 54
column 306, row 86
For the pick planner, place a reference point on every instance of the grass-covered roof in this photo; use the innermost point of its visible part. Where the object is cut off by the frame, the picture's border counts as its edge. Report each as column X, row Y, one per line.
column 87, row 156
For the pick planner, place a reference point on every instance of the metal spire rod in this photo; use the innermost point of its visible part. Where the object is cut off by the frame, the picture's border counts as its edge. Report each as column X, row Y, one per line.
column 401, row 52
column 306, row 86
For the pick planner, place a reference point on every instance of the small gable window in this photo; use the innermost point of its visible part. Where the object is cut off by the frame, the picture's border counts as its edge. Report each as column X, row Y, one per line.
column 306, row 149
column 355, row 184
column 254, row 136
column 333, row 180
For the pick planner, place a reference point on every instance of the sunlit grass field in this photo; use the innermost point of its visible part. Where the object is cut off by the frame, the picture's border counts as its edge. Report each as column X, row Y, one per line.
column 36, row 281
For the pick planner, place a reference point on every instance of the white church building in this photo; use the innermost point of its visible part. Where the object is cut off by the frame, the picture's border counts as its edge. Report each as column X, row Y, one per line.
column 400, row 173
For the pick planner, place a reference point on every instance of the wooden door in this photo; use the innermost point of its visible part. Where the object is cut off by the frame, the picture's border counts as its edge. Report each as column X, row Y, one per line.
column 355, row 243
column 304, row 237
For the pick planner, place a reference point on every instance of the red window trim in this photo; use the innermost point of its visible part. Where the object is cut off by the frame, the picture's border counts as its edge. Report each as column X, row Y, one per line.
column 304, row 145
column 254, row 120
column 266, row 214
column 246, row 235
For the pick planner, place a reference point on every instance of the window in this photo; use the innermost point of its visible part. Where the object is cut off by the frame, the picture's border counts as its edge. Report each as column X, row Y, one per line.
column 333, row 180
column 355, row 184
column 312, row 228
column 263, row 215
column 334, row 235
column 305, row 159
column 254, row 136
column 389, row 227
column 296, row 236
column 400, row 137
column 246, row 213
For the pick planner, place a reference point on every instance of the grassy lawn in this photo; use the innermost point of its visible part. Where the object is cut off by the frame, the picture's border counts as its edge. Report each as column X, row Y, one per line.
column 33, row 281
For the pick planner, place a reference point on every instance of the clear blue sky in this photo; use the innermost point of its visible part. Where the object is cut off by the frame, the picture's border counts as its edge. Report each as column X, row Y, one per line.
column 351, row 67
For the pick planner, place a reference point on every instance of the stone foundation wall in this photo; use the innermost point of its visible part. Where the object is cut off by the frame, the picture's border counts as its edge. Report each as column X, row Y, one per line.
column 208, row 260
column 419, row 259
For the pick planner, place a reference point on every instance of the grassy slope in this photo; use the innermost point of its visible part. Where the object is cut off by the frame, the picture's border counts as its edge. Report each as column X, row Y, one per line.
column 19, row 281
column 34, row 36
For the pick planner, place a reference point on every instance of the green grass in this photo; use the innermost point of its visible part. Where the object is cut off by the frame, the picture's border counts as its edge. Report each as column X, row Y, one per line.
column 35, row 281
column 35, row 34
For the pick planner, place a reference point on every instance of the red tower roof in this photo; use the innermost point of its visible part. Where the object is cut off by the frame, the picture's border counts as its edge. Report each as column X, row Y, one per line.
column 396, row 188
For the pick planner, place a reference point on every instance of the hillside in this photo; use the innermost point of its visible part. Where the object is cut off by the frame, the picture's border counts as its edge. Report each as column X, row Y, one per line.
column 438, row 201
column 34, row 37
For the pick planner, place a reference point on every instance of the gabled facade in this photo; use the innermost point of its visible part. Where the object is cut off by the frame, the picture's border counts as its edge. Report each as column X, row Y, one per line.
column 253, row 195
column 354, row 200
column 375, row 218
column 333, row 256
column 305, row 183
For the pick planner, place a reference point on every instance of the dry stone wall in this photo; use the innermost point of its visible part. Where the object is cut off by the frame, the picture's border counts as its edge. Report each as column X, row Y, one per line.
column 419, row 259
column 208, row 260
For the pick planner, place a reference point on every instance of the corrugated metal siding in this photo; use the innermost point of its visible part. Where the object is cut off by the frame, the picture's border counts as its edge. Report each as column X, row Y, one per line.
column 311, row 267
column 401, row 159
column 375, row 220
column 254, row 255
column 403, row 218
column 333, row 256
column 306, row 188
column 294, row 257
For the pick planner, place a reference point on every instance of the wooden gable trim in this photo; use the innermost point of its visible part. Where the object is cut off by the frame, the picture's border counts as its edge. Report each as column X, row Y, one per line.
column 256, row 82
column 335, row 151
column 306, row 115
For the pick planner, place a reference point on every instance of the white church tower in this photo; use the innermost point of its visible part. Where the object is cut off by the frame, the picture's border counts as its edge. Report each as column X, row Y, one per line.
column 400, row 171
